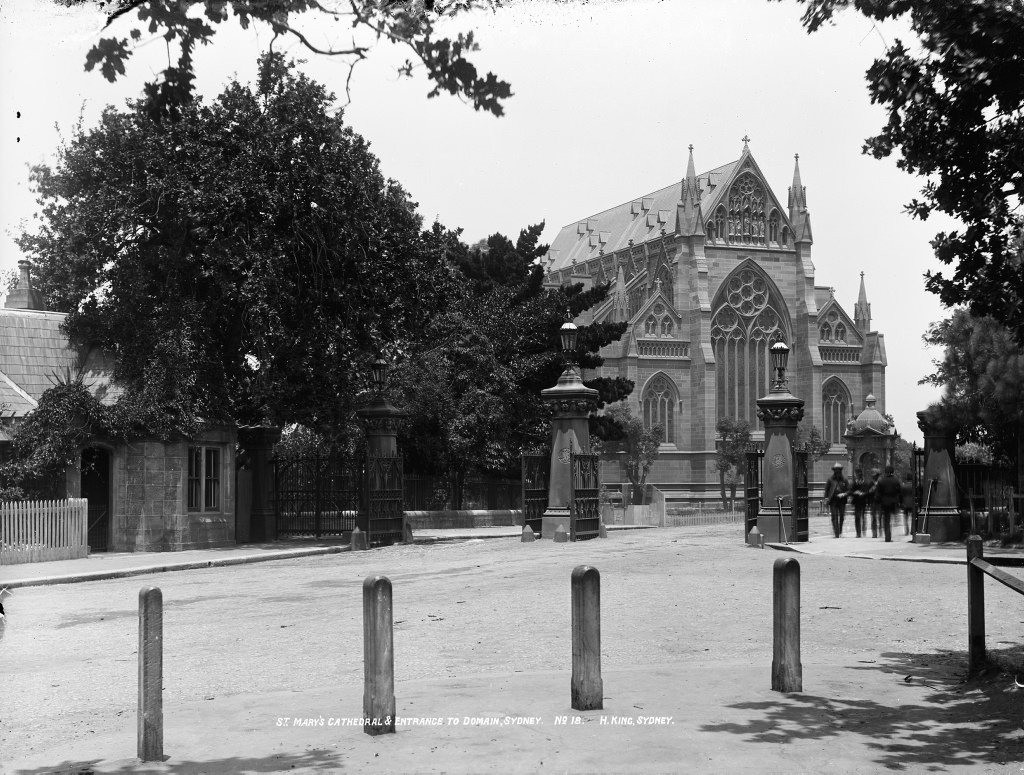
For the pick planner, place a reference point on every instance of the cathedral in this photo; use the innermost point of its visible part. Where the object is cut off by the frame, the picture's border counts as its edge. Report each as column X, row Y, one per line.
column 709, row 272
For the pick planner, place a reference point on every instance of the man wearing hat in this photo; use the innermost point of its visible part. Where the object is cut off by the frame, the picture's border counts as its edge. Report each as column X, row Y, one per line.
column 835, row 494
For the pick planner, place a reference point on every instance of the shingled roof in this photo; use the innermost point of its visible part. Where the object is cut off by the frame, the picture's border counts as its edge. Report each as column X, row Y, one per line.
column 35, row 354
column 639, row 220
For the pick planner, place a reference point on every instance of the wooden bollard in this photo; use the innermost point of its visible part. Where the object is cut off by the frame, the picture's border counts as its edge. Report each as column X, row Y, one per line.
column 975, row 607
column 787, row 672
column 151, row 675
column 378, row 657
column 587, row 687
column 528, row 535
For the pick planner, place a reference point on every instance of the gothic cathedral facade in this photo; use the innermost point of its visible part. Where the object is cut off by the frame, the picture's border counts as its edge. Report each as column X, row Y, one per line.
column 709, row 273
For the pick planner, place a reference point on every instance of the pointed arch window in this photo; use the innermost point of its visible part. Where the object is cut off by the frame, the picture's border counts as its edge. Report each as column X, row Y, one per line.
column 835, row 401
column 749, row 318
column 666, row 326
column 650, row 325
column 721, row 220
column 840, row 333
column 825, row 333
column 773, row 227
column 659, row 402
column 785, row 236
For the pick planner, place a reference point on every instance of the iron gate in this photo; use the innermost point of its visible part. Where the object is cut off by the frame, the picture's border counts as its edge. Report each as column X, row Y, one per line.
column 384, row 516
column 584, row 500
column 316, row 496
column 801, row 493
column 752, row 488
column 536, row 469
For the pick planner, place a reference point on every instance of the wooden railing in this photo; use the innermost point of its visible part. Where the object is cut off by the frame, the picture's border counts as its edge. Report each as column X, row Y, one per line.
column 38, row 531
column 977, row 569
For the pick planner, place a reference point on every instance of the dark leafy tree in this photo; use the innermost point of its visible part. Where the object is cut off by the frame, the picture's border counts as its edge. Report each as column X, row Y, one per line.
column 244, row 263
column 982, row 373
column 811, row 440
column 636, row 447
column 731, row 450
column 473, row 392
column 362, row 24
column 955, row 103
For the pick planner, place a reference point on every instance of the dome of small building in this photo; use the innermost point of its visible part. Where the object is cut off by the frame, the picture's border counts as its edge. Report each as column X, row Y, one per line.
column 870, row 419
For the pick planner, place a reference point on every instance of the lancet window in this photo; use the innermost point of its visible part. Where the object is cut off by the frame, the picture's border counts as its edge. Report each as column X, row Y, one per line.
column 835, row 402
column 659, row 401
column 721, row 221
column 773, row 227
column 748, row 320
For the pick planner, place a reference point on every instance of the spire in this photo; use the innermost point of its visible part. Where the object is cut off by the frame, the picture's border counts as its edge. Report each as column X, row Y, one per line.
column 797, row 192
column 689, row 218
column 798, row 214
column 862, row 310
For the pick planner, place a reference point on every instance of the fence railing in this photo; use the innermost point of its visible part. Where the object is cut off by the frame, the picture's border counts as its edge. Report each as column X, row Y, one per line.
column 977, row 569
column 38, row 531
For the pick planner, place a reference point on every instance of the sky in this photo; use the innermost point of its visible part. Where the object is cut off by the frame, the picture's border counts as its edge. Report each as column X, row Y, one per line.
column 607, row 98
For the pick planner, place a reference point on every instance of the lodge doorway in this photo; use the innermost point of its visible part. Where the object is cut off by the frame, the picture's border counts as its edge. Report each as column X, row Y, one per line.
column 96, row 487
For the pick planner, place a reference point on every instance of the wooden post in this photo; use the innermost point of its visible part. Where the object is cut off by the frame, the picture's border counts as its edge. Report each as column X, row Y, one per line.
column 587, row 688
column 151, row 675
column 787, row 672
column 378, row 657
column 975, row 607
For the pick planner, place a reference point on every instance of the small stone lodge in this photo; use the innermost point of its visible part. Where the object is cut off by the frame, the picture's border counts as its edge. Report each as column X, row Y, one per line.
column 145, row 495
column 709, row 272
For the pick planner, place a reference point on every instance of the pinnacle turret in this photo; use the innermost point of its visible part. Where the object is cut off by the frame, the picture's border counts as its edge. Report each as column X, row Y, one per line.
column 862, row 310
column 690, row 220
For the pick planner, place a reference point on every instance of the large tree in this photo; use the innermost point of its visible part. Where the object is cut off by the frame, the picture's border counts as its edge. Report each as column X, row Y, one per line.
column 349, row 28
column 982, row 372
column 244, row 263
column 955, row 103
column 473, row 391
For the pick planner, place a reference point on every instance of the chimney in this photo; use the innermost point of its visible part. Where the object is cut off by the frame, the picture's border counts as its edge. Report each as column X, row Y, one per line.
column 24, row 296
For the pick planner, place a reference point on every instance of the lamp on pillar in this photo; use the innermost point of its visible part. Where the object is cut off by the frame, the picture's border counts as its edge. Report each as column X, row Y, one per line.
column 780, row 411
column 780, row 357
column 571, row 403
column 379, row 374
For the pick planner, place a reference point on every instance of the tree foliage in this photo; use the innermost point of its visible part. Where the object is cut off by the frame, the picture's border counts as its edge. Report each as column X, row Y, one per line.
column 473, row 391
column 361, row 23
column 812, row 441
column 636, row 447
column 955, row 106
column 244, row 263
column 730, row 454
column 982, row 373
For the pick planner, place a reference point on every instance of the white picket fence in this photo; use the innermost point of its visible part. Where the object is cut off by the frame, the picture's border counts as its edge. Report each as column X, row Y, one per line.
column 38, row 531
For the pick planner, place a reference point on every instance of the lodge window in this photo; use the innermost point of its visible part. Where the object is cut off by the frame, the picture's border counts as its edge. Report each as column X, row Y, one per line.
column 204, row 479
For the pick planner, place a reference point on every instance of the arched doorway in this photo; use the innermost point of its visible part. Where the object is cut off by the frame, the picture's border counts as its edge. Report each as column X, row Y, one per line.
column 96, row 487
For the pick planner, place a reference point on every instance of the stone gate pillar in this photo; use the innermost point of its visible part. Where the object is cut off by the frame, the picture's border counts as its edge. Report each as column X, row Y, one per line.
column 258, row 446
column 938, row 489
column 780, row 411
column 571, row 402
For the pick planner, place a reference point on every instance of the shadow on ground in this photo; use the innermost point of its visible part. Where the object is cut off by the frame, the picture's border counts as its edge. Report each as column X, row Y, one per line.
column 234, row 764
column 960, row 723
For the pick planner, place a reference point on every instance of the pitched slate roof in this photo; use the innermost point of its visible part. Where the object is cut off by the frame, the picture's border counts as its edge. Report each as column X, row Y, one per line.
column 640, row 220
column 35, row 354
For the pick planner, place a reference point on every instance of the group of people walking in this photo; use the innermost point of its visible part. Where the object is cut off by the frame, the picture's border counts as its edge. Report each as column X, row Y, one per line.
column 880, row 496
